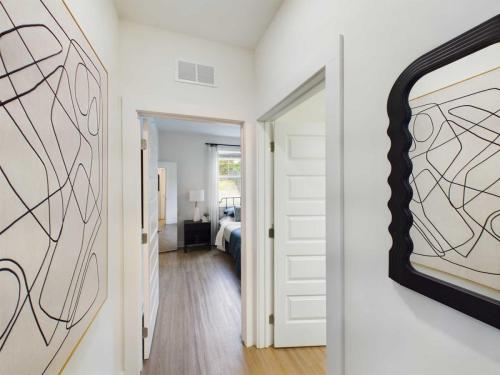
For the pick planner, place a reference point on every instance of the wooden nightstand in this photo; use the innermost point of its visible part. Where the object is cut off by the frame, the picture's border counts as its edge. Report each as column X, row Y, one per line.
column 196, row 234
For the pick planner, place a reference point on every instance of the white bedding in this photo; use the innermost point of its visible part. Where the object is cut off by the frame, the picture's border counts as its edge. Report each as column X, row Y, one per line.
column 227, row 225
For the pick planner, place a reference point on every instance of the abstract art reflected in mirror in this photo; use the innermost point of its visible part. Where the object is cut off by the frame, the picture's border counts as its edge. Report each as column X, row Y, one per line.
column 444, row 127
column 455, row 179
column 53, row 186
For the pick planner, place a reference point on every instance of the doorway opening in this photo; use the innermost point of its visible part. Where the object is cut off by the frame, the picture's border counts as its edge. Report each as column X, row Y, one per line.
column 197, row 169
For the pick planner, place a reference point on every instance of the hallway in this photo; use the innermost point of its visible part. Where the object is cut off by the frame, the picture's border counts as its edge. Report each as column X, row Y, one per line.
column 198, row 326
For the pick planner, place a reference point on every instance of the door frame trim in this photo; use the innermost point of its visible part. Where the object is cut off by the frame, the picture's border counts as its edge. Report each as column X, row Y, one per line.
column 132, row 268
column 265, row 245
column 295, row 97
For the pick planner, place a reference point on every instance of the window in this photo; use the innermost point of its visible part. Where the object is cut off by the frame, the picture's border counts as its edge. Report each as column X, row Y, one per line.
column 229, row 185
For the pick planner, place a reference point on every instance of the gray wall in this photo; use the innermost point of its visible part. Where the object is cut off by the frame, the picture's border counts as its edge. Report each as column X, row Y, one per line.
column 190, row 153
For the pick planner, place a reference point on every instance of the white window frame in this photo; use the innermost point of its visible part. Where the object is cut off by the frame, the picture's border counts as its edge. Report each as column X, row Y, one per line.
column 219, row 157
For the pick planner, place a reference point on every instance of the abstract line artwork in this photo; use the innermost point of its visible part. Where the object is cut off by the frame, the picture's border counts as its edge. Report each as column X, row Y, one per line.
column 53, row 186
column 455, row 180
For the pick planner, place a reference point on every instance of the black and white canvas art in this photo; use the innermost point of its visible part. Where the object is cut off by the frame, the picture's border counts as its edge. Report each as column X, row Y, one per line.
column 444, row 112
column 53, row 190
column 455, row 180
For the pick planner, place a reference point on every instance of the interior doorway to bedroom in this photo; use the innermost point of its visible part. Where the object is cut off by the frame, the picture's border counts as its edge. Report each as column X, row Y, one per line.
column 199, row 273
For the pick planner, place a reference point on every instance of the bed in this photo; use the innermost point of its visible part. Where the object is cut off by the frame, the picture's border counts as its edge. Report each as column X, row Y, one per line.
column 228, row 237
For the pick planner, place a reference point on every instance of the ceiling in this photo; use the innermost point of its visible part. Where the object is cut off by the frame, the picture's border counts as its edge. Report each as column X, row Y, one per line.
column 191, row 127
column 237, row 22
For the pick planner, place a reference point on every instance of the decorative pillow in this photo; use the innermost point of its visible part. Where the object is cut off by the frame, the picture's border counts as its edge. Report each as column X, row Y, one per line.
column 229, row 211
column 237, row 213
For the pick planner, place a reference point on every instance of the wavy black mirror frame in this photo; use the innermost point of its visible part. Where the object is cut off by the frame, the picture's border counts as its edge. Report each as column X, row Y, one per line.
column 400, row 268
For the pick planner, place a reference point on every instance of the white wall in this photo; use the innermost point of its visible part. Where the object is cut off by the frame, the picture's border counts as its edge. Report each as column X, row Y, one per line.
column 390, row 330
column 171, row 190
column 413, row 328
column 162, row 196
column 297, row 44
column 189, row 152
column 100, row 351
column 148, row 66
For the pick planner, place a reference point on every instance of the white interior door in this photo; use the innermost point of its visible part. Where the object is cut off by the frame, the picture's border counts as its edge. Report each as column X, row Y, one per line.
column 299, row 222
column 150, row 230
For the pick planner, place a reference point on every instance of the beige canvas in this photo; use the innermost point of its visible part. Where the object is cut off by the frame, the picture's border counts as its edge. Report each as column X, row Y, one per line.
column 455, row 180
column 53, row 185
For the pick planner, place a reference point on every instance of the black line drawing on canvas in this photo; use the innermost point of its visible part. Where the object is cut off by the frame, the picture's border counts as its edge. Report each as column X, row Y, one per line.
column 53, row 113
column 455, row 180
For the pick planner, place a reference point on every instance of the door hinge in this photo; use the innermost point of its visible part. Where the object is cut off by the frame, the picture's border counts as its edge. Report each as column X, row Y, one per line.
column 271, row 232
column 144, row 144
column 144, row 238
column 272, row 146
column 271, row 319
column 145, row 332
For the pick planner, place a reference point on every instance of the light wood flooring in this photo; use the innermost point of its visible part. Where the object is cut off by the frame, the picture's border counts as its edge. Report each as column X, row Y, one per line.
column 198, row 325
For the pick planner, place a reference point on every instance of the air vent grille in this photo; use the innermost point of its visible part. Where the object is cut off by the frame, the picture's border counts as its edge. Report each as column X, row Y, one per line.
column 186, row 71
column 195, row 73
column 206, row 74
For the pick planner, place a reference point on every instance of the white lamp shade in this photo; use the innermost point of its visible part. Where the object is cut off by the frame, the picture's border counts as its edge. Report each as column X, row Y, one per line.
column 196, row 195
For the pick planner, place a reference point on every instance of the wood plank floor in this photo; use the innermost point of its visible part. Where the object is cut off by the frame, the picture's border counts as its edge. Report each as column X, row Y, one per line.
column 198, row 326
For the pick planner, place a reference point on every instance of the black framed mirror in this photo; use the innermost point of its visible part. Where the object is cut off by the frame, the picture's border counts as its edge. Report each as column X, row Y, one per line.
column 444, row 112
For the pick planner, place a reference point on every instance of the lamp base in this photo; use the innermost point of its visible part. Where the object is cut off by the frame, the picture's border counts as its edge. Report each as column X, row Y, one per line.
column 196, row 215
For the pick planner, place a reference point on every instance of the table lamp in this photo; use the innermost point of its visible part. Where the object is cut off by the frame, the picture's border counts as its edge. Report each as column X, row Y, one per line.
column 196, row 196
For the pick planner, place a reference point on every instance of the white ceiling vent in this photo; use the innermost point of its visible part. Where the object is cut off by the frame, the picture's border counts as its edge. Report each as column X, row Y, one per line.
column 195, row 73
